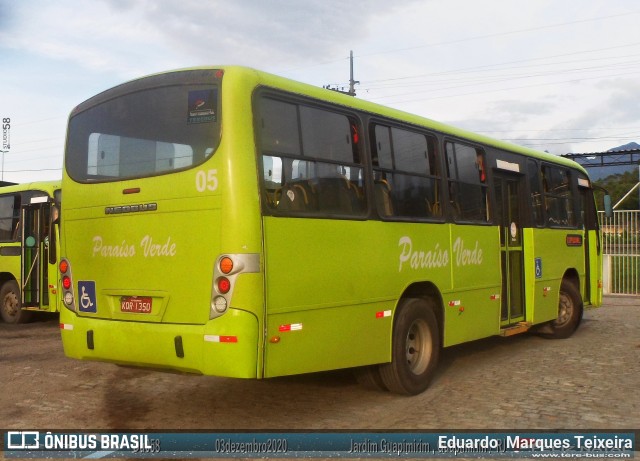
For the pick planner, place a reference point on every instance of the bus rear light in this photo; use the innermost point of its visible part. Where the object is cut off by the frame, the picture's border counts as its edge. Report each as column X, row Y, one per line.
column 220, row 304
column 226, row 265
column 68, row 298
column 64, row 266
column 226, row 270
column 224, row 285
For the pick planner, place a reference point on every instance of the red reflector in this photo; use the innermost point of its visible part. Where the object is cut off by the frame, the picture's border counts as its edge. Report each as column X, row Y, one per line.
column 133, row 190
column 66, row 282
column 224, row 285
column 228, row 339
column 574, row 240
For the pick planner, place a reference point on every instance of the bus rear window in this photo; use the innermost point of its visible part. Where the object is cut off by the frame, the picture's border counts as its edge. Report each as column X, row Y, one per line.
column 144, row 133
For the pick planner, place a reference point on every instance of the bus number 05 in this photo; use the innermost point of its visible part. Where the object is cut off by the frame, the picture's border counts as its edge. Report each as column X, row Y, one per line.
column 206, row 180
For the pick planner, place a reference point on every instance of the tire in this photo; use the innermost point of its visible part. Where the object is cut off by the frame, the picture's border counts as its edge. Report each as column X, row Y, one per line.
column 415, row 348
column 370, row 378
column 569, row 312
column 10, row 304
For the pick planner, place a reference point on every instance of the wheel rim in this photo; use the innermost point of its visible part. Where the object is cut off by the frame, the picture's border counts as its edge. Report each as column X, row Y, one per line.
column 10, row 304
column 565, row 310
column 418, row 350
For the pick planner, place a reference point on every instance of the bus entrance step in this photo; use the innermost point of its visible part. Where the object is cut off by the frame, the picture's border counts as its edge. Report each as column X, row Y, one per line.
column 518, row 328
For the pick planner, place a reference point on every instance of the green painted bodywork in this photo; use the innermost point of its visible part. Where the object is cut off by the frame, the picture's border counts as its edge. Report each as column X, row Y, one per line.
column 10, row 264
column 326, row 291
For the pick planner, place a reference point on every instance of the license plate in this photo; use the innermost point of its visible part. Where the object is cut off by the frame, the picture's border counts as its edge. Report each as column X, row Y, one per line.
column 136, row 304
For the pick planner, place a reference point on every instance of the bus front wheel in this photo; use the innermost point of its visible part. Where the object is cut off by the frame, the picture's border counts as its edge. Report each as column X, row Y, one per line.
column 569, row 312
column 415, row 348
column 10, row 305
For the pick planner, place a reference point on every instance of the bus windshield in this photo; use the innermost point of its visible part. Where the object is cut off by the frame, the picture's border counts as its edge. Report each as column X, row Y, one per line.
column 144, row 133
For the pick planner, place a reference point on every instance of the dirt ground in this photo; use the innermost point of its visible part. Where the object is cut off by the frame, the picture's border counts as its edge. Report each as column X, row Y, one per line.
column 589, row 381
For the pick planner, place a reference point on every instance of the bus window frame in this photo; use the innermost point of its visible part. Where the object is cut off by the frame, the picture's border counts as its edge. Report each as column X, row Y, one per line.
column 162, row 81
column 353, row 117
column 486, row 184
column 572, row 174
column 438, row 180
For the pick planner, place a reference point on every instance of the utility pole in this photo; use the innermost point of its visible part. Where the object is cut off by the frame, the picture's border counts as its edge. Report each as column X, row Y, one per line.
column 3, row 152
column 352, row 82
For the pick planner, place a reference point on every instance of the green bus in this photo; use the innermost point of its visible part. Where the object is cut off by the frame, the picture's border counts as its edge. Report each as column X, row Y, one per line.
column 29, row 249
column 229, row 222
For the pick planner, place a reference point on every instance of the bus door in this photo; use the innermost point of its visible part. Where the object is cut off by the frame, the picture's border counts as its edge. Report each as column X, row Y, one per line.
column 35, row 253
column 591, row 243
column 508, row 189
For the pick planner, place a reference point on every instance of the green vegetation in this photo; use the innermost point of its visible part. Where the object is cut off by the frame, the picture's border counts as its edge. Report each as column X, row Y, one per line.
column 618, row 185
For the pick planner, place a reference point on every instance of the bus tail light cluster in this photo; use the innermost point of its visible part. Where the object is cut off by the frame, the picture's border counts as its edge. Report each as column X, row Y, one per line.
column 68, row 298
column 226, row 270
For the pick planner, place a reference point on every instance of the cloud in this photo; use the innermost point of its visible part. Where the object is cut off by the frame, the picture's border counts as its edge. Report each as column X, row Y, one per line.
column 130, row 38
column 246, row 31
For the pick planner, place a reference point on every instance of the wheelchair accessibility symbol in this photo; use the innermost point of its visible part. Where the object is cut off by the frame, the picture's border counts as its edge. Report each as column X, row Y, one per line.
column 538, row 268
column 87, row 296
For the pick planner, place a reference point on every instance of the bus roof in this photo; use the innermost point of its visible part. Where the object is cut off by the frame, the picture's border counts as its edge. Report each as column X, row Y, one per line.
column 46, row 186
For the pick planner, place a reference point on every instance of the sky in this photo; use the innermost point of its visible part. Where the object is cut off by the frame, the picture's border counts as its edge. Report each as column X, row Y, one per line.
column 560, row 76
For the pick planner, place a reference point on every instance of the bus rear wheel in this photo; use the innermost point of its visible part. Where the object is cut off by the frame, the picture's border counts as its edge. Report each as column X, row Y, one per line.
column 415, row 348
column 10, row 305
column 370, row 378
column 569, row 312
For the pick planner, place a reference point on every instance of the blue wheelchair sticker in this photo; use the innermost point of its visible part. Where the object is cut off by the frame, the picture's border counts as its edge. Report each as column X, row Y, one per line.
column 538, row 268
column 87, row 296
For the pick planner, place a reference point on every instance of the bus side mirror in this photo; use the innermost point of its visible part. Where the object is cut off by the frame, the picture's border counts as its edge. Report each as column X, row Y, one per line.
column 608, row 211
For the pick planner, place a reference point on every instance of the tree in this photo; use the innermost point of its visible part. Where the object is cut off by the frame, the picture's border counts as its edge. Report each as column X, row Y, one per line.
column 618, row 185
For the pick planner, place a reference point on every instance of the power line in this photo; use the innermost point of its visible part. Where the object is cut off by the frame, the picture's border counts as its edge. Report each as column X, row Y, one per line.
column 475, row 93
column 502, row 34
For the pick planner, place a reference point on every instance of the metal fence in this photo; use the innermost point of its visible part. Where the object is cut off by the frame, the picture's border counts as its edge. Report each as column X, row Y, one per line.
column 621, row 248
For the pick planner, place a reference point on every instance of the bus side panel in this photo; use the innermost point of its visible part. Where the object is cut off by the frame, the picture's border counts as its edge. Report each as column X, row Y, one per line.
column 595, row 264
column 329, row 338
column 472, row 308
column 329, row 306
column 326, row 282
column 554, row 257
column 10, row 261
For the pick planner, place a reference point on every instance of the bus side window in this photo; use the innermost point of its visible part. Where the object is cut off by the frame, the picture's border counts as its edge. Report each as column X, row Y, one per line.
column 9, row 217
column 406, row 176
column 278, row 122
column 466, row 169
column 536, row 193
column 311, row 160
column 558, row 197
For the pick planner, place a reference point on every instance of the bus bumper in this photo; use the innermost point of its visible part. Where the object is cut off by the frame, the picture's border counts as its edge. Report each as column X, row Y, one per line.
column 226, row 346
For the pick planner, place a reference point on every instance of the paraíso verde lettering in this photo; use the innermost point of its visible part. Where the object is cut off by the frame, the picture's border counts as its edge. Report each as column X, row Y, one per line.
column 421, row 259
column 437, row 256
column 147, row 247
